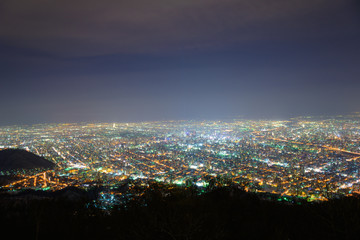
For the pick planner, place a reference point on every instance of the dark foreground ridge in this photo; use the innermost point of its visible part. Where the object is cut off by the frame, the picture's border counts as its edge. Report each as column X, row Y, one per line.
column 172, row 212
column 12, row 159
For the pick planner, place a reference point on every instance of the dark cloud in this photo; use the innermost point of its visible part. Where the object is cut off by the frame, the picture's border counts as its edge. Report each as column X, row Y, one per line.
column 91, row 27
column 138, row 60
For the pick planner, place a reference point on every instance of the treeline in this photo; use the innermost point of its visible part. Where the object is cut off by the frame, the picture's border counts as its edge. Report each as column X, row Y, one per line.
column 172, row 212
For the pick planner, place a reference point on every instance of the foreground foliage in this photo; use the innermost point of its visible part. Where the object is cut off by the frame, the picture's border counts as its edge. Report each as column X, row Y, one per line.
column 170, row 212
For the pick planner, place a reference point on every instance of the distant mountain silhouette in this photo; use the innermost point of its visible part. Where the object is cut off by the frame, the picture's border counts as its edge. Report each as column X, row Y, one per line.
column 11, row 159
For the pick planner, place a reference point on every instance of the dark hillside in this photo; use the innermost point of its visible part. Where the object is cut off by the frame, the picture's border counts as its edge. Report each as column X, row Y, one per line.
column 12, row 159
column 180, row 213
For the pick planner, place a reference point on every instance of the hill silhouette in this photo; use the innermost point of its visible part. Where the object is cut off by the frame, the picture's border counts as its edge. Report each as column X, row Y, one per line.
column 12, row 159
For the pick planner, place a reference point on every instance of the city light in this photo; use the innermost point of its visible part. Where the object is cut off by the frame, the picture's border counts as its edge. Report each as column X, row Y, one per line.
column 303, row 157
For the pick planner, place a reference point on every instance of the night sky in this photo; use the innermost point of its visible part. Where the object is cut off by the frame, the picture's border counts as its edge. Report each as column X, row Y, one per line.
column 141, row 60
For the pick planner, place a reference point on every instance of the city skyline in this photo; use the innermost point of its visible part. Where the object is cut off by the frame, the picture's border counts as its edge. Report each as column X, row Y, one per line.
column 134, row 61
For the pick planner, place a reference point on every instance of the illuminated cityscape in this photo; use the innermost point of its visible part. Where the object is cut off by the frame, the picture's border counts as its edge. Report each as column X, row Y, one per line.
column 314, row 158
column 183, row 120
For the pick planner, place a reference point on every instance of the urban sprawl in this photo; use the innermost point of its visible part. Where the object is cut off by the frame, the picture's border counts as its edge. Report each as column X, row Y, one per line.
column 314, row 158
